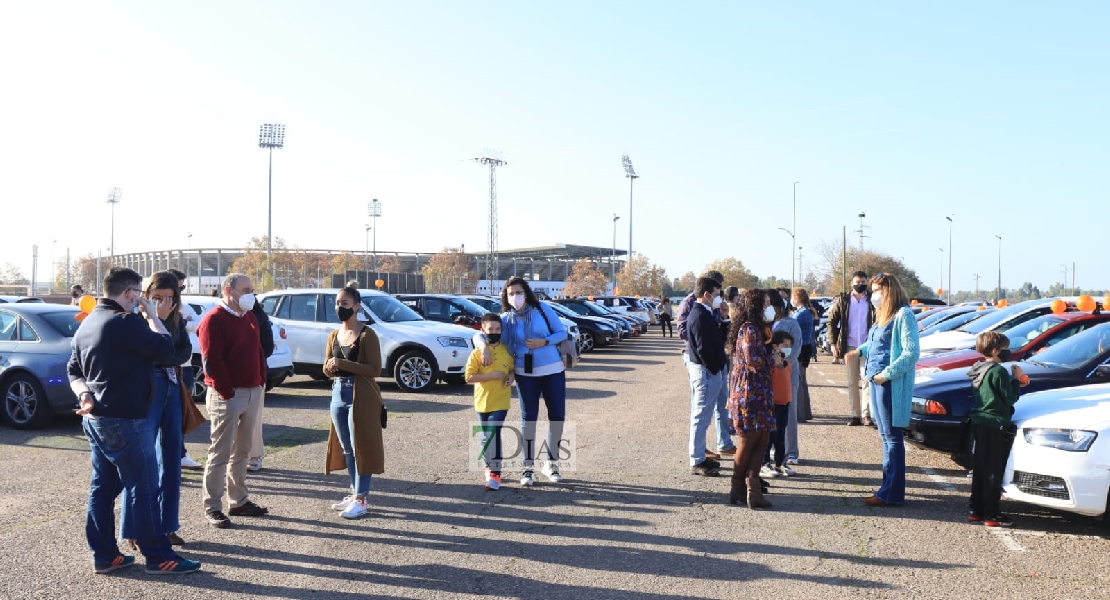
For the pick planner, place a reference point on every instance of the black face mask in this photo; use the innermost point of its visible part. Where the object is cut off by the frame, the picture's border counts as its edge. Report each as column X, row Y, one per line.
column 861, row 288
column 344, row 313
column 1005, row 355
column 493, row 338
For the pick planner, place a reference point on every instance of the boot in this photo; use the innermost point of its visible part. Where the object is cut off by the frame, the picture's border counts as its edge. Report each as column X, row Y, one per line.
column 755, row 498
column 739, row 492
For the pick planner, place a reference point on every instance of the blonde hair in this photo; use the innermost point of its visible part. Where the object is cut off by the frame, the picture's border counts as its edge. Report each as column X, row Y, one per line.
column 894, row 297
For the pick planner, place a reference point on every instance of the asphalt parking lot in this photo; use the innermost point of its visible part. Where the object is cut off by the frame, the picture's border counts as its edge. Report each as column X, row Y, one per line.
column 628, row 523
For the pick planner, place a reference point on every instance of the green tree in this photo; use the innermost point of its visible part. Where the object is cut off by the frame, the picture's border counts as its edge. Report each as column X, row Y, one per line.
column 734, row 271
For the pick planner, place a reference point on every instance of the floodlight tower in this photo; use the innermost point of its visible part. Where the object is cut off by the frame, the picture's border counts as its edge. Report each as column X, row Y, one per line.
column 374, row 210
column 114, row 195
column 630, row 173
column 271, row 136
column 491, row 255
column 862, row 230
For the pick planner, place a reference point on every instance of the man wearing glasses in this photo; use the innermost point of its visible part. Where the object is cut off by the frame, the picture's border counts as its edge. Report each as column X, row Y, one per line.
column 850, row 318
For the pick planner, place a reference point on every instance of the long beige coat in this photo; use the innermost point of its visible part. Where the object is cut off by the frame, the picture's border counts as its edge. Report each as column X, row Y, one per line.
column 366, row 405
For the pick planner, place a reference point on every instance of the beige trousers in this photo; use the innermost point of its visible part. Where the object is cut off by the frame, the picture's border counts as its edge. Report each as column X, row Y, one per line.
column 233, row 422
column 857, row 403
column 256, row 437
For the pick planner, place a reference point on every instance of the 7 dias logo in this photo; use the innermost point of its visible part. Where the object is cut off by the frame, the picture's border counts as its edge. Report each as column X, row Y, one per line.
column 539, row 440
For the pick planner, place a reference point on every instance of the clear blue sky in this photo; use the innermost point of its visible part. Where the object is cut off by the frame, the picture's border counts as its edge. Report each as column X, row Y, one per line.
column 993, row 111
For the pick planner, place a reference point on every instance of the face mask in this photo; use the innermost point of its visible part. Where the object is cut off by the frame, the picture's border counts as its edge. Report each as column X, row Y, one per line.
column 769, row 313
column 717, row 302
column 344, row 313
column 493, row 338
column 1005, row 355
column 246, row 302
column 517, row 301
column 785, row 352
column 861, row 288
column 876, row 300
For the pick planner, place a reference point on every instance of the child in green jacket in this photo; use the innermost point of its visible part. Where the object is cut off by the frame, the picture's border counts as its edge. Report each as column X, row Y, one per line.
column 996, row 390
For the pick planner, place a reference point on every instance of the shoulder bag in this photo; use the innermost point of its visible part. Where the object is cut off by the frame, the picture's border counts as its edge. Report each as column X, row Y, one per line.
column 568, row 349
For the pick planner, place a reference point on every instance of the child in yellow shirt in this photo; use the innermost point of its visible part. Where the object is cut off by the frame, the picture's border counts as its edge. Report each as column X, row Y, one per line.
column 492, row 394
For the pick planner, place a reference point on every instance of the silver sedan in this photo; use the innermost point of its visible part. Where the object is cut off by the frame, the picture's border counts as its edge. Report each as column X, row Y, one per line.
column 35, row 345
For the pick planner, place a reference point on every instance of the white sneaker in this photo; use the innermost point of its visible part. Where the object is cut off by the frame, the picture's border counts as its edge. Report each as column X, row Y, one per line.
column 527, row 479
column 254, row 464
column 768, row 472
column 787, row 471
column 551, row 471
column 343, row 504
column 355, row 510
column 188, row 463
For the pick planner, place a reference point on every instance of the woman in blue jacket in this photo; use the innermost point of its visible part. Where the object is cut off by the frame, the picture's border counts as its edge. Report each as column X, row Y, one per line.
column 891, row 353
column 530, row 331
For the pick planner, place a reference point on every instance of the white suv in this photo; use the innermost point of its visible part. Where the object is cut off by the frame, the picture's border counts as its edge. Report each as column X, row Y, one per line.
column 415, row 352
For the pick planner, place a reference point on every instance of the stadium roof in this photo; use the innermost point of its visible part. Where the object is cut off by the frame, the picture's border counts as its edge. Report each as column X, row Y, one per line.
column 557, row 252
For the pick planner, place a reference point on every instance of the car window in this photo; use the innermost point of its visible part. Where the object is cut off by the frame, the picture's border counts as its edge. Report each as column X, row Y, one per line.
column 437, row 309
column 9, row 327
column 981, row 325
column 1023, row 333
column 1065, row 333
column 1018, row 320
column 302, row 307
column 26, row 333
column 578, row 308
column 1077, row 349
column 389, row 309
column 62, row 322
column 269, row 304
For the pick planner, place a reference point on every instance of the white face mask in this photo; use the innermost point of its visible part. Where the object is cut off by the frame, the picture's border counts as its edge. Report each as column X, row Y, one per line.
column 517, row 301
column 769, row 313
column 785, row 352
column 717, row 302
column 246, row 302
column 876, row 299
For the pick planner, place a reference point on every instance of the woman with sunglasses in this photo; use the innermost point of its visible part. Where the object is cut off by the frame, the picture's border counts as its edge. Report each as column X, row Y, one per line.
column 890, row 355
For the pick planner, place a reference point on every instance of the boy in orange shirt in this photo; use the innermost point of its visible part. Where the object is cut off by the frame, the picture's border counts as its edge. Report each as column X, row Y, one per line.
column 492, row 394
column 780, row 388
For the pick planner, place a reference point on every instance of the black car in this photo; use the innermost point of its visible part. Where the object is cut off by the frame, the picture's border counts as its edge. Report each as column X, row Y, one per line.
column 445, row 308
column 590, row 309
column 943, row 401
column 596, row 331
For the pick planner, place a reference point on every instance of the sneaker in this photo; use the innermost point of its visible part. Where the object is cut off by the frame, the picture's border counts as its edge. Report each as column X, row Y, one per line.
column 792, row 461
column 493, row 481
column 254, row 464
column 527, row 478
column 248, row 509
column 344, row 503
column 117, row 563
column 974, row 517
column 705, row 469
column 188, row 463
column 785, row 470
column 217, row 519
column 855, row 422
column 174, row 566
column 768, row 471
column 712, row 464
column 356, row 510
column 999, row 521
column 551, row 470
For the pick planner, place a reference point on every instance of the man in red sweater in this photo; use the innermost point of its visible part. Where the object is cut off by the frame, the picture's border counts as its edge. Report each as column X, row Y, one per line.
column 235, row 371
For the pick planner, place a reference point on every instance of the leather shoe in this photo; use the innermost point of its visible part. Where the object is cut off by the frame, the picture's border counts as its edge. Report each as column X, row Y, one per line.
column 868, row 422
column 728, row 451
column 875, row 501
column 855, row 422
column 712, row 455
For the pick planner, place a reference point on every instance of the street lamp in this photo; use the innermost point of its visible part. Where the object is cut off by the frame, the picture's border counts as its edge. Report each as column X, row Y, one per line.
column 366, row 255
column 630, row 173
column 793, row 240
column 613, row 256
column 998, row 296
column 950, row 257
column 113, row 199
column 271, row 136
column 941, row 267
column 374, row 209
column 188, row 246
column 795, row 228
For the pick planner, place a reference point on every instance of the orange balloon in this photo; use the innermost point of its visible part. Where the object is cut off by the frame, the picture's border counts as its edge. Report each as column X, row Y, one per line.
column 1086, row 303
column 379, row 283
column 86, row 303
column 1003, row 303
column 982, row 308
column 590, row 298
column 940, row 291
column 1106, row 303
column 80, row 316
column 1059, row 307
column 914, row 302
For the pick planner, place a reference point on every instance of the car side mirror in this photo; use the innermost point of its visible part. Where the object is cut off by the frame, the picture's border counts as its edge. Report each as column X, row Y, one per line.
column 1102, row 371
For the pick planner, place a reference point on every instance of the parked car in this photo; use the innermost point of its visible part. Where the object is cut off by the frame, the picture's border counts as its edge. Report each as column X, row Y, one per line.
column 955, row 322
column 999, row 320
column 628, row 305
column 415, row 352
column 587, row 308
column 937, row 316
column 942, row 401
column 35, row 346
column 1026, row 340
column 1061, row 454
column 20, row 300
column 595, row 331
column 279, row 365
column 446, row 308
column 490, row 303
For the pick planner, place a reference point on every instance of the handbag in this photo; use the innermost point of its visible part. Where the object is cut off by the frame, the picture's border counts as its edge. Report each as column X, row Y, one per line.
column 568, row 349
column 385, row 416
column 191, row 417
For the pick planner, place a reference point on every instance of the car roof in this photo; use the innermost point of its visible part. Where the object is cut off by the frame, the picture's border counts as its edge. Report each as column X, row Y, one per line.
column 430, row 296
column 39, row 307
column 361, row 291
column 21, row 299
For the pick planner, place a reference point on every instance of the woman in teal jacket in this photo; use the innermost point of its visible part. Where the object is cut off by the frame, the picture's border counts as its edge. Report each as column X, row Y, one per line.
column 891, row 353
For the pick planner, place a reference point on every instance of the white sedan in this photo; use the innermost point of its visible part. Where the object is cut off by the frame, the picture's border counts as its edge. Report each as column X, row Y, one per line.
column 1061, row 454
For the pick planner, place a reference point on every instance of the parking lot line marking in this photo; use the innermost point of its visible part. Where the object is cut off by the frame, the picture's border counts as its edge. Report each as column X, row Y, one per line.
column 939, row 479
column 1007, row 539
column 842, row 391
column 830, row 382
column 822, row 374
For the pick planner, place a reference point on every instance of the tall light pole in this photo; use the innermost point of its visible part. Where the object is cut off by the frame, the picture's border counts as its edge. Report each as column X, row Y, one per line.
column 630, row 173
column 941, row 267
column 271, row 136
column 998, row 296
column 861, row 230
column 794, row 228
column 114, row 195
column 374, row 210
column 950, row 257
column 188, row 246
column 613, row 256
column 366, row 255
column 793, row 240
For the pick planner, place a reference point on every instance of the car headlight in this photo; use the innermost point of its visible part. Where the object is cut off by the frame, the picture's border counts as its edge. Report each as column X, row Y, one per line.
column 926, row 371
column 1068, row 440
column 456, row 342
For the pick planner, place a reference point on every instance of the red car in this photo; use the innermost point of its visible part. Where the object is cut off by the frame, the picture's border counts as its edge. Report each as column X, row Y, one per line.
column 1026, row 339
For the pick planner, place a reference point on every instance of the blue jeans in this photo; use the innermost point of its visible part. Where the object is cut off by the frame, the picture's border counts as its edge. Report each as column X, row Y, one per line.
column 553, row 388
column 721, row 418
column 779, row 436
column 491, row 426
column 123, row 458
column 893, row 489
column 164, row 421
column 705, row 388
column 342, row 396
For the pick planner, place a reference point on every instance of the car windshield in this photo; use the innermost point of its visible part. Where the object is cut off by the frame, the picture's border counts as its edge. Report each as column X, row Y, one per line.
column 472, row 307
column 489, row 304
column 1026, row 332
column 955, row 322
column 996, row 317
column 62, row 322
column 941, row 315
column 1078, row 349
column 597, row 309
column 389, row 309
column 562, row 310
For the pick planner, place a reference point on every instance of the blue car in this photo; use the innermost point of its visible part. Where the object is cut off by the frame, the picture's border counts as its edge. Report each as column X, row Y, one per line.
column 35, row 345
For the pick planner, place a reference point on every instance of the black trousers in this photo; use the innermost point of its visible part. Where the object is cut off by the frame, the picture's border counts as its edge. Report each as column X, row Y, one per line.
column 992, row 450
column 665, row 324
column 778, row 436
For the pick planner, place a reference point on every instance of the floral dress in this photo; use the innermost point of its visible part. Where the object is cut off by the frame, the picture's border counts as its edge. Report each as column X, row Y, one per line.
column 750, row 401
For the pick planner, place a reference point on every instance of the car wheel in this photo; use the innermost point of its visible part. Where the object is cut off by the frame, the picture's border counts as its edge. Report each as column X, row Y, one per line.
column 588, row 343
column 414, row 371
column 25, row 404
